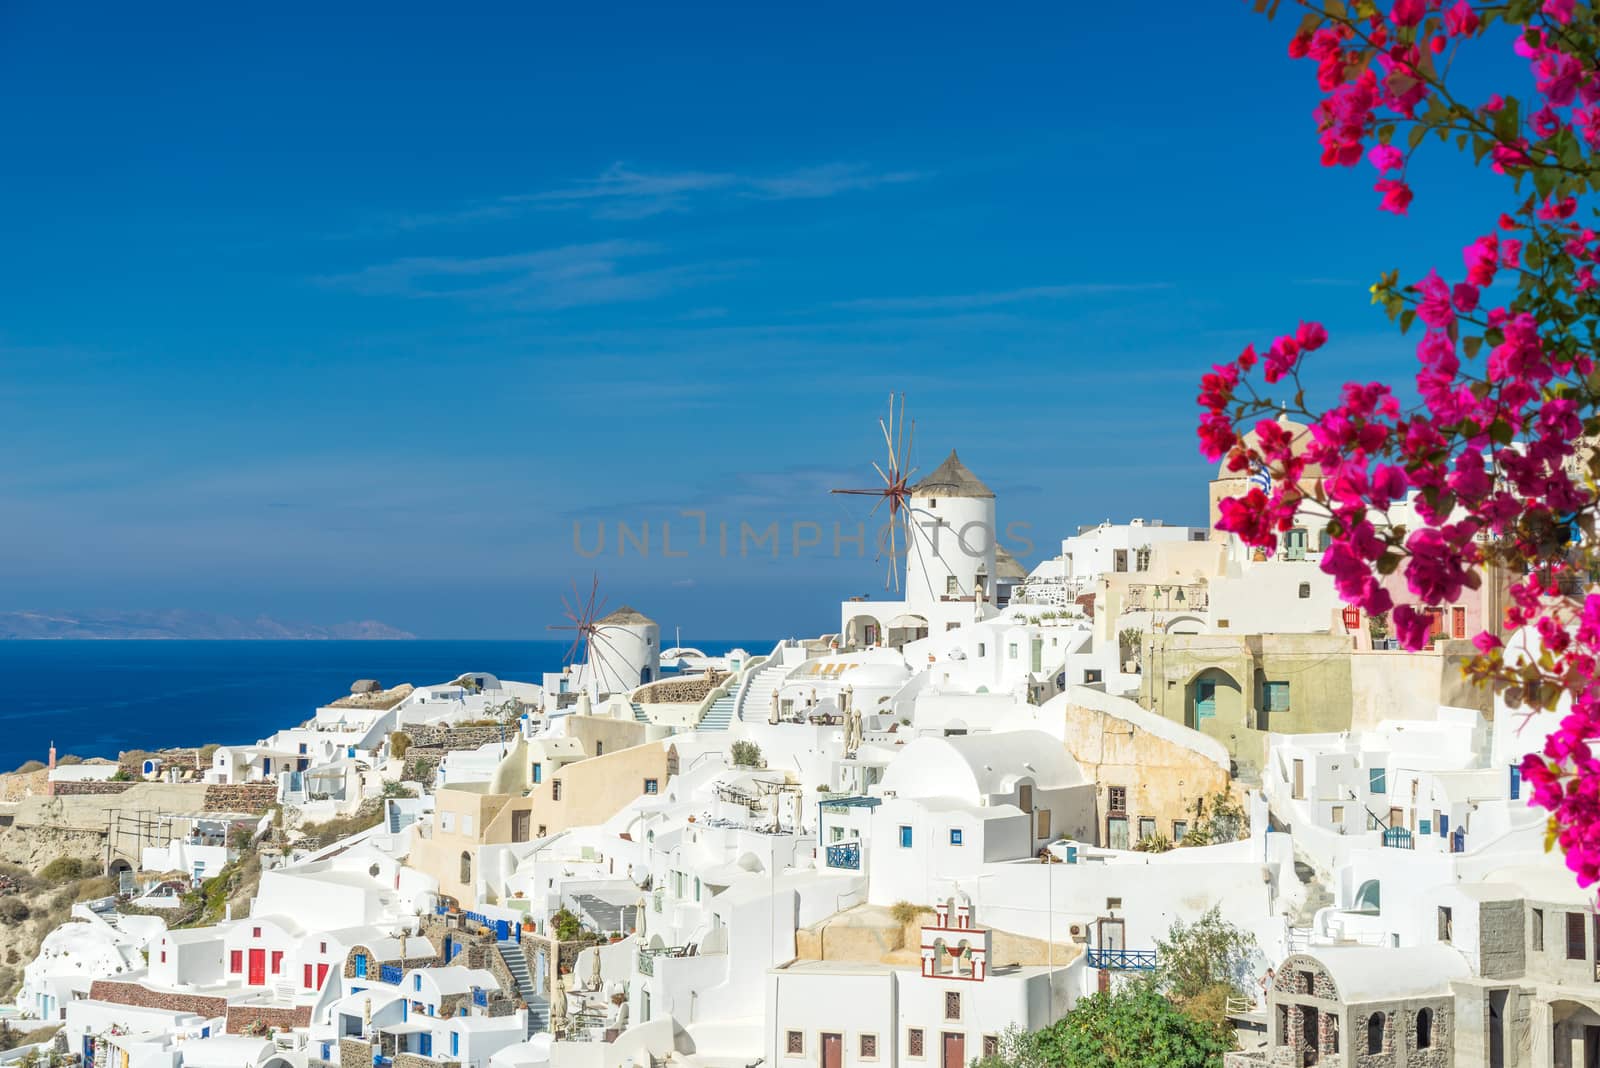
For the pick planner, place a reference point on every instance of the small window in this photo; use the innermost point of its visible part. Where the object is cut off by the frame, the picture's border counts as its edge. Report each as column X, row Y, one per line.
column 538, row 773
column 1117, row 799
column 1577, row 939
column 1336, row 813
column 1275, row 696
column 1538, row 929
column 951, row 587
column 1425, row 1029
column 869, row 1047
column 1141, row 561
column 1011, row 650
column 955, row 836
column 914, row 1041
column 1446, row 924
column 1113, row 903
column 255, row 932
column 905, row 837
column 416, row 982
column 991, row 1043
column 980, row 650
column 652, row 786
column 794, row 1043
column 1147, row 827
column 236, row 961
column 555, row 789
column 1179, row 829
column 952, row 1005
column 1375, row 1033
column 1305, row 591
column 599, row 747
column 1375, row 781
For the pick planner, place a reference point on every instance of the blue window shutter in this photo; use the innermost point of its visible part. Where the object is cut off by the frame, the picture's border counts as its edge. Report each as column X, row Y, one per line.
column 1516, row 782
column 1444, row 825
column 905, row 837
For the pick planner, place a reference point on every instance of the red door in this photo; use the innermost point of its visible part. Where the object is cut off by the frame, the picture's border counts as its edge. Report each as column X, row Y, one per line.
column 258, row 967
column 955, row 1049
column 832, row 1051
column 322, row 975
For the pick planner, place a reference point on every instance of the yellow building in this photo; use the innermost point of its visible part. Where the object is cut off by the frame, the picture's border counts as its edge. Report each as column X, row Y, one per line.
column 1149, row 771
column 539, row 789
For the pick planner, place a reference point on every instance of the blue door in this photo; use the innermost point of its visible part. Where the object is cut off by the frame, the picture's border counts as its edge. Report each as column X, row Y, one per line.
column 538, row 972
column 502, row 930
column 1205, row 700
column 266, row 765
column 361, row 965
column 425, row 1044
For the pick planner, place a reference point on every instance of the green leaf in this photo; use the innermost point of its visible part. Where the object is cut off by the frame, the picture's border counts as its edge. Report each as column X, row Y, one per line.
column 1471, row 345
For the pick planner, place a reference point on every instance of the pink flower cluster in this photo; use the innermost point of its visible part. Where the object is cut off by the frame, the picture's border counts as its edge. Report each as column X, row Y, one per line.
column 1486, row 458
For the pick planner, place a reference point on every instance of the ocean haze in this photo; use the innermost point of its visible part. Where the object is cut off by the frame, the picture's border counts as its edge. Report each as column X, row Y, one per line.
column 99, row 698
column 181, row 624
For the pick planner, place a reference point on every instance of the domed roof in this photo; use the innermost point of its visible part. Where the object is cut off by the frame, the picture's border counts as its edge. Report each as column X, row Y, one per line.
column 1300, row 435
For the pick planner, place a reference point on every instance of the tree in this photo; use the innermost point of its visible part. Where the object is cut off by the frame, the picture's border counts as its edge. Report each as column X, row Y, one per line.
column 566, row 925
column 1491, row 474
column 399, row 742
column 1133, row 1028
column 1220, row 818
column 1202, row 964
column 747, row 754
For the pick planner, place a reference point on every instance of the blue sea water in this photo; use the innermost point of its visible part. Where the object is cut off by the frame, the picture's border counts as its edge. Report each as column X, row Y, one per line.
column 97, row 698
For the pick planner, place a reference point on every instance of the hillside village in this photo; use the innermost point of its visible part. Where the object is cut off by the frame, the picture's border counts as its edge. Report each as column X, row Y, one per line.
column 984, row 798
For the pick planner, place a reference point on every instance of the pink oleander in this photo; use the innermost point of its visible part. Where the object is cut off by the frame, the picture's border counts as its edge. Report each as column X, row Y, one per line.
column 1499, row 443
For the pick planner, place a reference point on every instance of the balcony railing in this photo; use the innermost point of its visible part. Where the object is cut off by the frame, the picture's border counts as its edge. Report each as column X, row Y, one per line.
column 1397, row 838
column 1142, row 960
column 389, row 973
column 845, row 855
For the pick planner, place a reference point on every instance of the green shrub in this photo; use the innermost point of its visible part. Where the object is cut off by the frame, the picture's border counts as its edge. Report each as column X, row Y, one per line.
column 399, row 742
column 30, row 766
column 747, row 754
column 63, row 870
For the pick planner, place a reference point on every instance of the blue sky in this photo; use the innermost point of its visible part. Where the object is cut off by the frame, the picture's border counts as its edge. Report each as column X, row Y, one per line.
column 353, row 316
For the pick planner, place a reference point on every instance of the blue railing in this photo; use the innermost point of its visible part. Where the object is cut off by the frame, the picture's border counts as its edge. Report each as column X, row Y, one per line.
column 1397, row 838
column 389, row 973
column 480, row 997
column 1142, row 960
column 845, row 855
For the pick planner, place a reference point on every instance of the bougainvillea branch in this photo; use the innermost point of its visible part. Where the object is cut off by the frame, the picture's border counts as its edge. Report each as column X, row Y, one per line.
column 1494, row 456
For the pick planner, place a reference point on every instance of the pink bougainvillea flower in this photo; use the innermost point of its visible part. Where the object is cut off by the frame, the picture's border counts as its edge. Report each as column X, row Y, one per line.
column 1396, row 195
column 1461, row 20
column 1386, row 157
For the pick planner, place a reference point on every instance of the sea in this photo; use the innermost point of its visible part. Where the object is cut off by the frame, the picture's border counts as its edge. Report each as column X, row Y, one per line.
column 99, row 698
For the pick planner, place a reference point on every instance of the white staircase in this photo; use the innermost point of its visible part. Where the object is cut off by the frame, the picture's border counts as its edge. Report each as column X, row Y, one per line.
column 755, row 697
column 720, row 714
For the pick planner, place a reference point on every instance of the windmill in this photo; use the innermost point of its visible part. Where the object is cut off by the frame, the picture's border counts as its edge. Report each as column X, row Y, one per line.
column 896, row 473
column 590, row 646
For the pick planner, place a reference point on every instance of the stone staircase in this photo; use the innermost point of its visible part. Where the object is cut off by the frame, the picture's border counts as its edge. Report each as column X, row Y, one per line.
column 517, row 965
column 638, row 712
column 1317, row 894
column 394, row 819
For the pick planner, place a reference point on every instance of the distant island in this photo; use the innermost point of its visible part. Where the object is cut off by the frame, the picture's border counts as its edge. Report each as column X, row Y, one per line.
column 178, row 624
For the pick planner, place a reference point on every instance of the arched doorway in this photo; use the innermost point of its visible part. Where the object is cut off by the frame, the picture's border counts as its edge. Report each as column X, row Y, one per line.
column 1212, row 697
column 862, row 631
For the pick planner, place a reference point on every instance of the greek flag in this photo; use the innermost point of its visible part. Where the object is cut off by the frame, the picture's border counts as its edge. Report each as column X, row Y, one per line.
column 1261, row 477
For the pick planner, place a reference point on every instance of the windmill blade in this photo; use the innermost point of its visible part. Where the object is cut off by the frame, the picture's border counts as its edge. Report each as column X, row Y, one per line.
column 899, row 453
column 887, row 481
